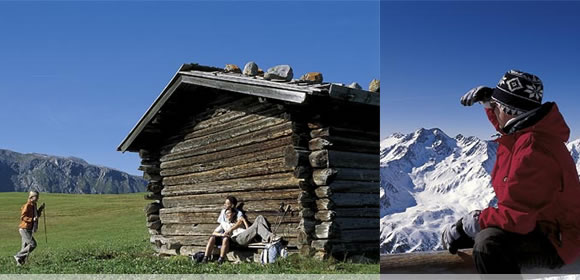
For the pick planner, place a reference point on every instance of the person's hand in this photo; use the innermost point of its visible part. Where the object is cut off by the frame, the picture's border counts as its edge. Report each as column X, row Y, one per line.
column 227, row 234
column 41, row 207
column 476, row 94
column 35, row 219
column 454, row 238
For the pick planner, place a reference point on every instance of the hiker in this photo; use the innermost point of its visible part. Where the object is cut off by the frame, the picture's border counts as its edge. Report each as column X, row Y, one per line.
column 231, row 229
column 231, row 203
column 29, row 215
column 537, row 218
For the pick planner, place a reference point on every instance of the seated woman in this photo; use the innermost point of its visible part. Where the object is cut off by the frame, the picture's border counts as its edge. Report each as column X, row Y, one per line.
column 231, row 229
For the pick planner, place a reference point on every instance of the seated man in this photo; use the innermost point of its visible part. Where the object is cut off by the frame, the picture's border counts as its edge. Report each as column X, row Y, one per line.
column 230, row 229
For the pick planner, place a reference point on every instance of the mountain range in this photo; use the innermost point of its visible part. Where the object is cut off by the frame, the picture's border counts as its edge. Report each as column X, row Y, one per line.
column 429, row 180
column 45, row 173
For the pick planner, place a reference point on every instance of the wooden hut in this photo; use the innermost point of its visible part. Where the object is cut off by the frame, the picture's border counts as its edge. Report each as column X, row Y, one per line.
column 311, row 147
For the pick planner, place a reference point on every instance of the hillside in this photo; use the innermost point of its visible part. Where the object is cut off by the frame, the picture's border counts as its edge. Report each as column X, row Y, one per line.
column 45, row 173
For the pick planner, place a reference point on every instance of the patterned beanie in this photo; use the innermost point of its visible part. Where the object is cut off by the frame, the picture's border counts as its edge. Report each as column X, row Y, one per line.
column 518, row 92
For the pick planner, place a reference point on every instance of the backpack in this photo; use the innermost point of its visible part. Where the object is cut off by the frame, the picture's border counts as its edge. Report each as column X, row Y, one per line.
column 272, row 251
column 197, row 257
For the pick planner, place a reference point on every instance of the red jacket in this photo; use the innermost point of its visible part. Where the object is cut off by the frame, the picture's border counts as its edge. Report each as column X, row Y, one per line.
column 536, row 183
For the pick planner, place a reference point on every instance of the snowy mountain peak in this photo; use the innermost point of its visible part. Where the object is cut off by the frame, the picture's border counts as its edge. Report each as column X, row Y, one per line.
column 429, row 180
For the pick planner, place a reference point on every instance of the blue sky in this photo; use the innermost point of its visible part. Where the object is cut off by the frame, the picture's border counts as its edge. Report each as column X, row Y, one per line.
column 433, row 52
column 75, row 77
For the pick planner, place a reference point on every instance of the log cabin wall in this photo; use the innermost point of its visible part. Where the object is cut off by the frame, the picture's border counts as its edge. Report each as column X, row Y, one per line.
column 344, row 157
column 234, row 147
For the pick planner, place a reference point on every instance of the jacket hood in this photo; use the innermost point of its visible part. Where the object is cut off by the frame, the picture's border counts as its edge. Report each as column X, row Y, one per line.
column 546, row 120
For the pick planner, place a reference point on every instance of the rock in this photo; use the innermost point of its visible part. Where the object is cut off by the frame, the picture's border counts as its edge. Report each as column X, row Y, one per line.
column 279, row 72
column 355, row 85
column 232, row 68
column 375, row 85
column 313, row 77
column 251, row 69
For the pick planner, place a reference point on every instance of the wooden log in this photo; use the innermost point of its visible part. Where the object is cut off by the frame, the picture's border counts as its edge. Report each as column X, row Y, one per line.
column 334, row 246
column 345, row 132
column 235, row 117
column 302, row 172
column 307, row 225
column 306, row 198
column 356, row 223
column 329, row 215
column 325, row 230
column 154, row 232
column 148, row 154
column 191, row 250
column 152, row 218
column 245, row 170
column 154, row 225
column 210, row 218
column 215, row 156
column 257, row 205
column 323, row 177
column 153, row 196
column 359, row 235
column 329, row 158
column 155, row 187
column 277, row 131
column 295, row 157
column 307, row 213
column 346, row 187
column 229, row 133
column 149, row 168
column 347, row 200
column 152, row 177
column 284, row 230
column 217, row 199
column 344, row 144
column 153, row 208
column 306, row 185
column 267, row 182
column 232, row 161
column 428, row 262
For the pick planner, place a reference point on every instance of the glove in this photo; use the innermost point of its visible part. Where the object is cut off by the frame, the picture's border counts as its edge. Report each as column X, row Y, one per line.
column 477, row 94
column 454, row 238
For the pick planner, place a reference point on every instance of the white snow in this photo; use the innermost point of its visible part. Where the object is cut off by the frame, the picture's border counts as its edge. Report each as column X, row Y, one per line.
column 428, row 180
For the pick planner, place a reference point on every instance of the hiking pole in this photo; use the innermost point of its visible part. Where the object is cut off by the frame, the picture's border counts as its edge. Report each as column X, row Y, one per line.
column 45, row 236
column 281, row 218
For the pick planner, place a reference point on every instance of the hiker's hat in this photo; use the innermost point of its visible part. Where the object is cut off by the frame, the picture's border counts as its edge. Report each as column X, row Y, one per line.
column 518, row 92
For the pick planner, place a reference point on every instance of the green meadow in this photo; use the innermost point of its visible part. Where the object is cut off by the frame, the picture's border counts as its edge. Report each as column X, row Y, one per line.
column 107, row 234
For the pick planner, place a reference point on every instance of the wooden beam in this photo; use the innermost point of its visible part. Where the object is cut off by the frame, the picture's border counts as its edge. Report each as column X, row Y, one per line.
column 329, row 158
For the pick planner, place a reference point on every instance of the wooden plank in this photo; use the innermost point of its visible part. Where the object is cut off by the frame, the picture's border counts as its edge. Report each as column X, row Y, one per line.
column 322, row 177
column 326, row 230
column 328, row 215
column 268, row 182
column 215, row 156
column 153, row 208
column 334, row 246
column 344, row 144
column 233, row 160
column 354, row 95
column 429, row 262
column 284, row 230
column 345, row 132
column 277, row 131
column 257, row 205
column 351, row 187
column 295, row 157
column 359, row 235
column 228, row 134
column 265, row 167
column 217, row 199
column 209, row 218
column 244, row 86
column 347, row 200
column 328, row 158
column 356, row 223
column 236, row 118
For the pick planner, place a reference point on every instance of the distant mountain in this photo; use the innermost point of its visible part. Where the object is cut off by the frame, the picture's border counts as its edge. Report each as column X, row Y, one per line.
column 428, row 180
column 44, row 173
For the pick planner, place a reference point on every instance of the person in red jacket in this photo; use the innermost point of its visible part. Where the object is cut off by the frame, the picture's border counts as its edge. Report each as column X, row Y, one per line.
column 537, row 218
column 29, row 215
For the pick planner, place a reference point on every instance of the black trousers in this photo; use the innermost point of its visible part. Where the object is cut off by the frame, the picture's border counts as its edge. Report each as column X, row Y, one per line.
column 501, row 252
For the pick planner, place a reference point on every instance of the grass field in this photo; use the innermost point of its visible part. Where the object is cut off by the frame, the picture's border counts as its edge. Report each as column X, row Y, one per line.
column 107, row 234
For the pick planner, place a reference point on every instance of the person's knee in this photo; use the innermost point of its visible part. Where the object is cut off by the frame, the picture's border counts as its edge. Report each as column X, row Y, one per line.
column 489, row 239
column 260, row 218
